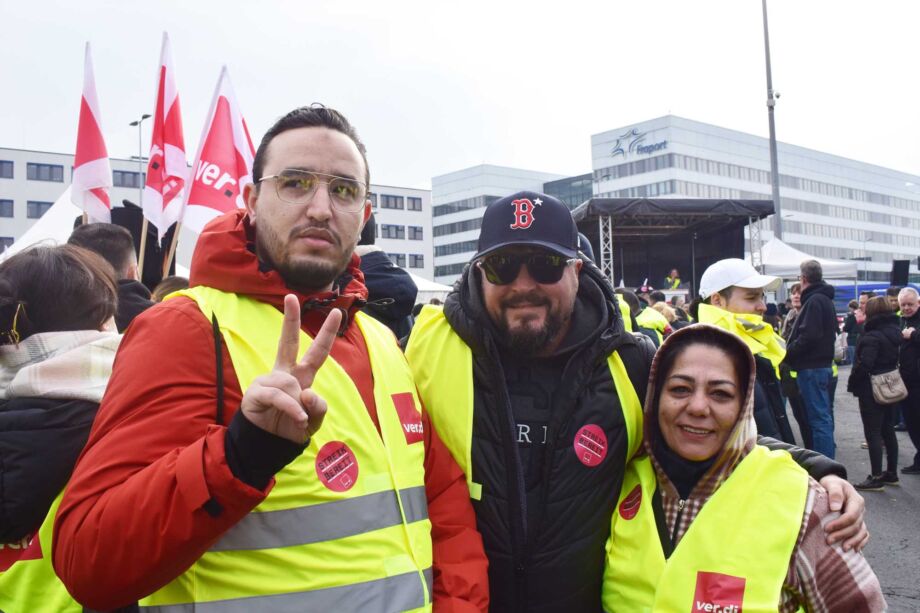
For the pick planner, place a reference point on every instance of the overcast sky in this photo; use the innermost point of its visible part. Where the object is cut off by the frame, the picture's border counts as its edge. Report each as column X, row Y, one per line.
column 434, row 87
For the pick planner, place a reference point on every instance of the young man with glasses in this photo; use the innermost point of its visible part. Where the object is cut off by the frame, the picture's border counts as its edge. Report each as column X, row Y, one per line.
column 535, row 385
column 225, row 470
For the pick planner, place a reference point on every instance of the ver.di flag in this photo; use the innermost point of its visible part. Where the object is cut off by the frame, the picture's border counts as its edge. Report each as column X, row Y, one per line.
column 167, row 169
column 92, row 173
column 223, row 164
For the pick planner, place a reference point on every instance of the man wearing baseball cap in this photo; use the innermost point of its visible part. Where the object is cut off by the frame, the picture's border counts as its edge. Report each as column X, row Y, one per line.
column 732, row 295
column 535, row 386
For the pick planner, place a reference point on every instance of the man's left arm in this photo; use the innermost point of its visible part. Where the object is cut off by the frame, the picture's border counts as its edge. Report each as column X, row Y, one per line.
column 461, row 580
column 850, row 527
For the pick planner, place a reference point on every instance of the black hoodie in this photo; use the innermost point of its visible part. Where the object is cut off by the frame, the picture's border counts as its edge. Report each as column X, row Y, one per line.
column 811, row 342
column 876, row 352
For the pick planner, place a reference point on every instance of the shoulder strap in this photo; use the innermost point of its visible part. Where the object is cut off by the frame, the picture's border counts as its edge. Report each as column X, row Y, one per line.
column 218, row 351
column 637, row 367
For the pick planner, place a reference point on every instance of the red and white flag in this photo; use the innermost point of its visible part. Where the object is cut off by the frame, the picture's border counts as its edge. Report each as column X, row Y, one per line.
column 92, row 173
column 167, row 168
column 223, row 164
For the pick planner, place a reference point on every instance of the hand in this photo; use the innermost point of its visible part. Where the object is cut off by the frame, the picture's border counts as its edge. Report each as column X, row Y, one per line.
column 906, row 332
column 282, row 402
column 850, row 527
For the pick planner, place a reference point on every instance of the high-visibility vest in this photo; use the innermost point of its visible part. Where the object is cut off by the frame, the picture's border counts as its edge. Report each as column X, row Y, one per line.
column 442, row 365
column 672, row 283
column 626, row 314
column 29, row 583
column 346, row 525
column 735, row 553
column 759, row 336
column 650, row 318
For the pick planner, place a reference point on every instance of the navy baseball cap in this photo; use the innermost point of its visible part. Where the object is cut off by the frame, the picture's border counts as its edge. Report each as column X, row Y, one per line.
column 529, row 219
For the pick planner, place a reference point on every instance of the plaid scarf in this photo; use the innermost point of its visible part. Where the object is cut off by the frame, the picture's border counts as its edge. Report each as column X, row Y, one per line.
column 69, row 365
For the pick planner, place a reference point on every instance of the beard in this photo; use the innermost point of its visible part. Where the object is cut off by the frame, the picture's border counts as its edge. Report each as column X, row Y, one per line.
column 524, row 340
column 308, row 273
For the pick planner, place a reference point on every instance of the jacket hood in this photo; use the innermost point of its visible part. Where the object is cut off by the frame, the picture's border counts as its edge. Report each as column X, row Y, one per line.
column 225, row 259
column 465, row 311
column 744, row 434
column 818, row 288
column 888, row 325
column 389, row 287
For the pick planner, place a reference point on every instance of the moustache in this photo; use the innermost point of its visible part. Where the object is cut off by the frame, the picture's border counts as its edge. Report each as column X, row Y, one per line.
column 527, row 299
column 316, row 231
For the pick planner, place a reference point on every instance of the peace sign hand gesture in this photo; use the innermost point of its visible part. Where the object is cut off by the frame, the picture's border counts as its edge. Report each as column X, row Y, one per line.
column 281, row 402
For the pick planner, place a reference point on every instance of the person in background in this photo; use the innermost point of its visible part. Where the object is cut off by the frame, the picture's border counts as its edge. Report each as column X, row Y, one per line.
column 672, row 281
column 771, row 316
column 167, row 286
column 630, row 306
column 850, row 328
column 648, row 317
column 669, row 549
column 877, row 351
column 795, row 303
column 116, row 245
column 679, row 304
column 57, row 346
column 391, row 292
column 670, row 314
column 909, row 364
column 891, row 295
column 810, row 354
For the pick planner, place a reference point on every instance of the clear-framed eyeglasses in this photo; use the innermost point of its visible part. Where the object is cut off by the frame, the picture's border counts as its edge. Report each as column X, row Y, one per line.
column 299, row 186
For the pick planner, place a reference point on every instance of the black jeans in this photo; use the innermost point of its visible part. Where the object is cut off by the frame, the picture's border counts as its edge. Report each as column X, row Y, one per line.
column 878, row 424
column 911, row 408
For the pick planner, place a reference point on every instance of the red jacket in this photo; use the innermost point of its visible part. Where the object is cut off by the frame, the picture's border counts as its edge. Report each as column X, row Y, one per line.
column 132, row 517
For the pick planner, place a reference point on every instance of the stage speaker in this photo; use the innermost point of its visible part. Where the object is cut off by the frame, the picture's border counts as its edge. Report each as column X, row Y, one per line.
column 900, row 271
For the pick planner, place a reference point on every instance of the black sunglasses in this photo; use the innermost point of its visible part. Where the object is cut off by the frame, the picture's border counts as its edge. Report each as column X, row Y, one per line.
column 502, row 269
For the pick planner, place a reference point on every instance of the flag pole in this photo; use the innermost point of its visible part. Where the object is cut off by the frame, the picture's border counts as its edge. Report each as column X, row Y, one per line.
column 143, row 249
column 172, row 250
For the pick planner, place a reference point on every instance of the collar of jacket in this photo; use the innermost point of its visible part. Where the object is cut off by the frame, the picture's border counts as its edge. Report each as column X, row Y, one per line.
column 759, row 335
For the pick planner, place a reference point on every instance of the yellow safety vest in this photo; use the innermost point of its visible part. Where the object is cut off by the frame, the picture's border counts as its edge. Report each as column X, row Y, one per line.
column 736, row 551
column 626, row 314
column 650, row 318
column 442, row 365
column 672, row 283
column 759, row 336
column 30, row 584
column 346, row 526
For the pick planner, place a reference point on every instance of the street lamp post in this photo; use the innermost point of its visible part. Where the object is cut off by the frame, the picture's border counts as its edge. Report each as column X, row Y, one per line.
column 140, row 157
column 142, row 248
column 771, row 103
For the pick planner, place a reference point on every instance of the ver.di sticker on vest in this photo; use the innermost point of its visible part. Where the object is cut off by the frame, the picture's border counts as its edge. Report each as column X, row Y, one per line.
column 590, row 445
column 337, row 466
column 409, row 417
column 629, row 508
column 718, row 593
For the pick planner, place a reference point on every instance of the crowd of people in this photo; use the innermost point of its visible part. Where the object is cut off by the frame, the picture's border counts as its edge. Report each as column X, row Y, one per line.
column 283, row 432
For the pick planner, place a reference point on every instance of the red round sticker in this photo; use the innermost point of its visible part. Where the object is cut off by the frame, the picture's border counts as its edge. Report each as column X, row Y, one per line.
column 337, row 466
column 590, row 445
column 630, row 505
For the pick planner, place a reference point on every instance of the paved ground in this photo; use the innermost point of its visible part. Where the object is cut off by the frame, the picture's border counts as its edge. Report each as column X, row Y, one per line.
column 893, row 515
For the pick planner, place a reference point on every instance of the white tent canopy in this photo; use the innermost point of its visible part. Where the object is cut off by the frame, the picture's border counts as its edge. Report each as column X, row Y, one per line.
column 53, row 228
column 783, row 261
column 429, row 289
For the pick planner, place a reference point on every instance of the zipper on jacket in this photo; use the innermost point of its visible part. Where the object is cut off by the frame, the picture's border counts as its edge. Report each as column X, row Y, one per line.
column 680, row 512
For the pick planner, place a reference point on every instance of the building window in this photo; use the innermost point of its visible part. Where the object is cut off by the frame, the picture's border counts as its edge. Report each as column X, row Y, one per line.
column 398, row 258
column 415, row 204
column 45, row 172
column 125, row 178
column 449, row 269
column 393, row 231
column 35, row 209
column 373, row 198
column 416, row 233
column 6, row 169
column 458, row 226
column 392, row 202
column 6, row 241
column 455, row 248
column 416, row 260
column 477, row 202
column 6, row 208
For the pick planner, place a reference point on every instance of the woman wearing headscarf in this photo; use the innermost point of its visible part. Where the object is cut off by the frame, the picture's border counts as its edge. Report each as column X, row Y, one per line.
column 57, row 345
column 708, row 520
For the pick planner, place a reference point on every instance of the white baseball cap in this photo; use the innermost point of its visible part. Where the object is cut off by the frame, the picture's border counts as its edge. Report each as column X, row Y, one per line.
column 734, row 272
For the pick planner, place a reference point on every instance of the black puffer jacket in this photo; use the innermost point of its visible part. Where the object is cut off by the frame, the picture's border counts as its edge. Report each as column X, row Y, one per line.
column 910, row 352
column 391, row 292
column 876, row 352
column 40, row 439
column 549, row 558
column 811, row 342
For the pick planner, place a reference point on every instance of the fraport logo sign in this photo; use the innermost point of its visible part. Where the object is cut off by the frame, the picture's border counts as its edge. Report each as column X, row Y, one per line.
column 632, row 141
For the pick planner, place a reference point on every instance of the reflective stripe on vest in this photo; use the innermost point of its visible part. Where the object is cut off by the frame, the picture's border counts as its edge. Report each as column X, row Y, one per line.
column 736, row 551
column 347, row 521
column 443, row 368
column 29, row 584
